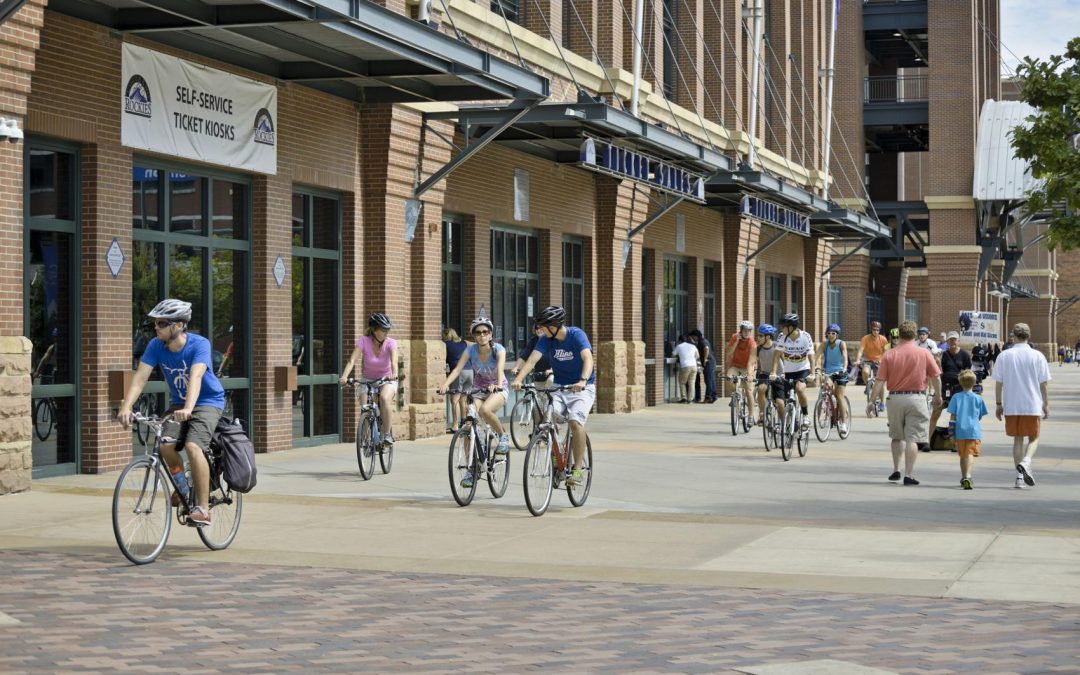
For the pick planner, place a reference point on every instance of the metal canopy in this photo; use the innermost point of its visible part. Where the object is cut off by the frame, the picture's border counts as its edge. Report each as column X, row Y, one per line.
column 349, row 48
column 555, row 131
column 9, row 7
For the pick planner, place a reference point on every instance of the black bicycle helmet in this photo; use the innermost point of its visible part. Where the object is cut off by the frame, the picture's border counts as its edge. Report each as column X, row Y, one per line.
column 379, row 320
column 551, row 315
column 790, row 319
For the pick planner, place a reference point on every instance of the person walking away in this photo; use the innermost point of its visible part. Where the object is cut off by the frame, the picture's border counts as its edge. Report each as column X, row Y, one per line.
column 741, row 359
column 689, row 359
column 908, row 371
column 954, row 361
column 708, row 360
column 833, row 362
column 967, row 408
column 378, row 356
column 1061, row 355
column 455, row 347
column 197, row 397
column 1021, row 378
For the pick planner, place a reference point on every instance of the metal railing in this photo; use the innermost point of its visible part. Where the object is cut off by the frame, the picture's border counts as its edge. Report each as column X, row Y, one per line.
column 896, row 89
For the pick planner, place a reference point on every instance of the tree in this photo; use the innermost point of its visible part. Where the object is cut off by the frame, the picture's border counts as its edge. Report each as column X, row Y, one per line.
column 1051, row 141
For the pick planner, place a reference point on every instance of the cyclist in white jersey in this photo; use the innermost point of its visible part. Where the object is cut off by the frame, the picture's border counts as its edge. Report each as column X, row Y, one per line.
column 796, row 349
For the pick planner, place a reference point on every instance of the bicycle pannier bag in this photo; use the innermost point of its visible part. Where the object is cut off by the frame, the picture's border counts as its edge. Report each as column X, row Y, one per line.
column 237, row 455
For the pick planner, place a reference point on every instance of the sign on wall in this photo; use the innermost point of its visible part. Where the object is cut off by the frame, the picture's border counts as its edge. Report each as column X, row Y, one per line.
column 641, row 168
column 776, row 215
column 176, row 107
column 980, row 327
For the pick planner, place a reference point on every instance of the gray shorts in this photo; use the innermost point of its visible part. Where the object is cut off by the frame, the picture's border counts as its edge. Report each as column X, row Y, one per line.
column 464, row 381
column 575, row 407
column 198, row 430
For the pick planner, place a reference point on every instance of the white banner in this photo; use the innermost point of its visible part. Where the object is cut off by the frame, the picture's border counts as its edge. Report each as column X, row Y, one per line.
column 979, row 327
column 188, row 110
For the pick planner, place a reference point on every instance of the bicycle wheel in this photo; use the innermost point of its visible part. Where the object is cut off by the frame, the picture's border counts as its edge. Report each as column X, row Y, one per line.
column 768, row 428
column 823, row 415
column 579, row 493
column 536, row 475
column 521, row 421
column 787, row 432
column 386, row 457
column 498, row 474
column 461, row 464
column 744, row 413
column 802, row 437
column 43, row 419
column 142, row 511
column 365, row 446
column 733, row 405
column 225, row 508
column 844, row 430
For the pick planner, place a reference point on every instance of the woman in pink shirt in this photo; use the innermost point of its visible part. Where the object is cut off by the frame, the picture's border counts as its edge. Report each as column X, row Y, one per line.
column 378, row 356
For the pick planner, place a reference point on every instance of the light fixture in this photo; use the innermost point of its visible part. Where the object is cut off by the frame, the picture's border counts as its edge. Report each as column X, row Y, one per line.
column 9, row 129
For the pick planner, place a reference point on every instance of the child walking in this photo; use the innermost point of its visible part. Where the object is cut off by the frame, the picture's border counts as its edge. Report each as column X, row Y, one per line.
column 967, row 408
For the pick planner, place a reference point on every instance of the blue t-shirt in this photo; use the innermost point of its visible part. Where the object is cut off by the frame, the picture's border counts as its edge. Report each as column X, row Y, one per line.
column 454, row 350
column 834, row 358
column 176, row 368
column 565, row 355
column 967, row 409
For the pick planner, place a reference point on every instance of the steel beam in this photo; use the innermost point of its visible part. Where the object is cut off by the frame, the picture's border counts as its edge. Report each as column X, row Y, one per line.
column 654, row 216
column 861, row 246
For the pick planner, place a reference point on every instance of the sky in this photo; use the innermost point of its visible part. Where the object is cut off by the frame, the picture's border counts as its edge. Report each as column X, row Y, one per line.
column 1036, row 28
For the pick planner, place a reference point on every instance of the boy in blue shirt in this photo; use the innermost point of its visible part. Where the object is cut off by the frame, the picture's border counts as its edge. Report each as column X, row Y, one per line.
column 197, row 397
column 967, row 409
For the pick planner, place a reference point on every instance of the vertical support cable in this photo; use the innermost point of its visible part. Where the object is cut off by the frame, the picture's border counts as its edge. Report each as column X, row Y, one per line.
column 757, row 11
column 639, row 22
column 829, row 79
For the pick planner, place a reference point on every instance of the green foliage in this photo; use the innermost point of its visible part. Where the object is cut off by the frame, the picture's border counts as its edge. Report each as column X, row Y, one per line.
column 1053, row 87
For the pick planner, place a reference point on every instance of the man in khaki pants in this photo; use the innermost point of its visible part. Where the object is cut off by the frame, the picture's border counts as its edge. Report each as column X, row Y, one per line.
column 689, row 360
column 907, row 370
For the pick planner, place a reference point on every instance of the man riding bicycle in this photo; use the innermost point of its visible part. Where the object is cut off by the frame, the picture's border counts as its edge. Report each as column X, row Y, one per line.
column 570, row 353
column 796, row 350
column 871, row 348
column 833, row 361
column 197, row 396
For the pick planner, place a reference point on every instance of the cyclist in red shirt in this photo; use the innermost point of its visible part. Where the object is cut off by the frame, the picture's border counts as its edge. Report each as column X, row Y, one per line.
column 741, row 359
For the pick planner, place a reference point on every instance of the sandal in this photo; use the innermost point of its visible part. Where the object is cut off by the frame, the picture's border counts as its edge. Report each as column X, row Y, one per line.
column 449, row 430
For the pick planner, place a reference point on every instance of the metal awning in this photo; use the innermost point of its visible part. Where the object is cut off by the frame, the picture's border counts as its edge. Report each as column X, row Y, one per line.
column 556, row 131
column 349, row 48
column 826, row 218
column 8, row 8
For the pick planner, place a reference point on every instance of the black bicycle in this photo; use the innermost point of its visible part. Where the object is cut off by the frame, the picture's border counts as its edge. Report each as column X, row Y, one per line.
column 44, row 417
column 369, row 438
column 528, row 413
column 142, row 506
column 472, row 455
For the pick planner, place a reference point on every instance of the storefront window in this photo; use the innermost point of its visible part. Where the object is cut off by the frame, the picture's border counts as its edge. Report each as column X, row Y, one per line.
column 676, row 299
column 515, row 288
column 453, row 288
column 573, row 281
column 208, row 267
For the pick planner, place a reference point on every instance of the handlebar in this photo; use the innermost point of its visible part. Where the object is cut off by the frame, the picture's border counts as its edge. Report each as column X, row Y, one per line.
column 352, row 382
column 153, row 421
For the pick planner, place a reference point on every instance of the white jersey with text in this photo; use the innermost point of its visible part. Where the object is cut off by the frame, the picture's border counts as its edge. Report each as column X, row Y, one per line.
column 795, row 353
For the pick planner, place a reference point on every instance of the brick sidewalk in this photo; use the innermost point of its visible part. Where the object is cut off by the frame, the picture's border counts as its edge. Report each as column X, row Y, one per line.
column 96, row 613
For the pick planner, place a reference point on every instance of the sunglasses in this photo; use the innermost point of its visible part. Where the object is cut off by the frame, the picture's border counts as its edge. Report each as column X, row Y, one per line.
column 481, row 332
column 162, row 323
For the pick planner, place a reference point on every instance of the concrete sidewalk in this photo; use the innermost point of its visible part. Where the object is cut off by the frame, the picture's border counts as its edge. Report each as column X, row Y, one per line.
column 676, row 500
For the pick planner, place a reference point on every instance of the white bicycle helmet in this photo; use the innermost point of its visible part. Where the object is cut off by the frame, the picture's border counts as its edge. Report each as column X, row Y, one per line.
column 746, row 324
column 171, row 310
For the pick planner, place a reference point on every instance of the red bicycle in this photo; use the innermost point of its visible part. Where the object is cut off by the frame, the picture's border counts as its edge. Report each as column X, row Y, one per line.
column 827, row 412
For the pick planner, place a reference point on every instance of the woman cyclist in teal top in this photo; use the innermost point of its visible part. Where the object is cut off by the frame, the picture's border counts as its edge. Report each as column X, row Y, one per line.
column 833, row 361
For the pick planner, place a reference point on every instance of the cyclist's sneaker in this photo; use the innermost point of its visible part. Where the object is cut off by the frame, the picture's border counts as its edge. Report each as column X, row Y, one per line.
column 881, row 406
column 805, row 423
column 1019, row 482
column 842, row 427
column 388, row 440
column 467, row 480
column 199, row 517
column 575, row 477
column 504, row 445
column 966, row 484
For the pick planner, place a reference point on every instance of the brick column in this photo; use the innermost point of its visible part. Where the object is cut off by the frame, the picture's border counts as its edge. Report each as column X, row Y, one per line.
column 552, row 10
column 550, row 269
column 849, row 69
column 815, row 294
column 690, row 55
column 271, row 346
column 654, row 329
column 852, row 277
column 953, row 268
column 1036, row 313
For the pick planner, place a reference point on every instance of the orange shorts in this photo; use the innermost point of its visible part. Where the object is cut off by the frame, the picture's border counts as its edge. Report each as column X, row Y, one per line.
column 967, row 447
column 1022, row 425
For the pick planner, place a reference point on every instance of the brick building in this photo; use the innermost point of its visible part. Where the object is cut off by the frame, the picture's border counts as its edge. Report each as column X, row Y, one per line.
column 913, row 77
column 417, row 174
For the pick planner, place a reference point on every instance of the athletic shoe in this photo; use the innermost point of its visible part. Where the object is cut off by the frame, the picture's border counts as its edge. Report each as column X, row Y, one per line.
column 1020, row 482
column 504, row 445
column 575, row 478
column 467, row 480
column 842, row 427
column 923, row 447
column 1024, row 467
column 966, row 484
column 199, row 517
column 895, row 475
column 388, row 440
column 805, row 424
column 910, row 481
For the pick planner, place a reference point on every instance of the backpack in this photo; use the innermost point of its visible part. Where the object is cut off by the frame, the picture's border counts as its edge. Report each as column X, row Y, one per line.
column 237, row 455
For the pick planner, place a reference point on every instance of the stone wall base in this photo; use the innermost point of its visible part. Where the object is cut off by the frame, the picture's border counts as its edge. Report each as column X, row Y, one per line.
column 16, row 457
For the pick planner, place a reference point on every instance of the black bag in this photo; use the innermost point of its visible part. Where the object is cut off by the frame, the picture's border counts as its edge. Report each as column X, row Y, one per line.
column 237, row 455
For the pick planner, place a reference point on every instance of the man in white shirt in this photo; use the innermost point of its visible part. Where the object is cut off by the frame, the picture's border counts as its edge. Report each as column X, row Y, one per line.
column 689, row 358
column 923, row 340
column 1022, row 374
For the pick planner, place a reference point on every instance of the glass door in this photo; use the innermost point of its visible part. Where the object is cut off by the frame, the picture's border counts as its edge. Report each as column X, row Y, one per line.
column 316, row 312
column 51, row 304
